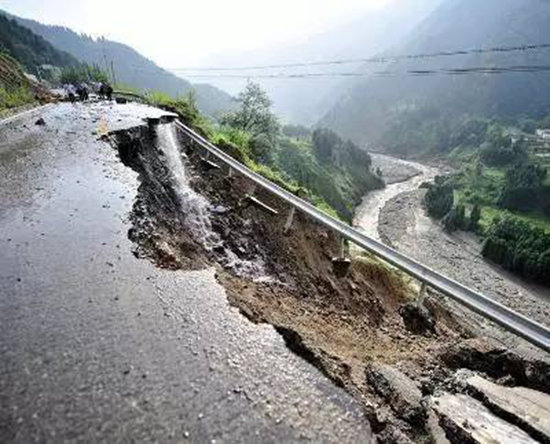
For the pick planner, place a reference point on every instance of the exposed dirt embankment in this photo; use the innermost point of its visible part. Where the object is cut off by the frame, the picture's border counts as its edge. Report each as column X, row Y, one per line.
column 349, row 327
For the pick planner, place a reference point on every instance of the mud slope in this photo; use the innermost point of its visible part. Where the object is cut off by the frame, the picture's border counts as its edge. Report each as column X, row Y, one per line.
column 349, row 327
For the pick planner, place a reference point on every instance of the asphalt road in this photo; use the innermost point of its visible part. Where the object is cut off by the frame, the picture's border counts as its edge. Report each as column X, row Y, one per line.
column 96, row 345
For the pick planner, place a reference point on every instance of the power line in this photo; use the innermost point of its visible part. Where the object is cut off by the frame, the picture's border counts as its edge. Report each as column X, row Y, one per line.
column 497, row 49
column 412, row 72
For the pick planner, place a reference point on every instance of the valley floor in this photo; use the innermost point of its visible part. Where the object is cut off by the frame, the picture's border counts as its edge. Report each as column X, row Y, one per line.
column 403, row 224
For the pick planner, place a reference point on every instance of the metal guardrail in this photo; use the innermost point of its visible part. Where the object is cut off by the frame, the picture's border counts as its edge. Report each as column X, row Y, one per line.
column 512, row 321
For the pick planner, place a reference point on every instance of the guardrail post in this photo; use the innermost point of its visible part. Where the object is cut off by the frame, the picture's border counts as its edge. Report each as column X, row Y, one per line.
column 421, row 295
column 289, row 220
column 342, row 248
column 342, row 263
column 230, row 172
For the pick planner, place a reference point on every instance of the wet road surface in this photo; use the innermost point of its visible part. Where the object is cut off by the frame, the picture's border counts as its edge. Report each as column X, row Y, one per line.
column 96, row 345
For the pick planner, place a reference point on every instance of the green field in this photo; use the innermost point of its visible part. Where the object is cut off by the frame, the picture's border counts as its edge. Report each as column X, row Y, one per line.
column 484, row 190
column 489, row 213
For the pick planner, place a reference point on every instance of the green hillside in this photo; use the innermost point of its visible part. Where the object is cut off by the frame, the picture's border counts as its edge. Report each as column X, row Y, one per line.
column 130, row 67
column 30, row 49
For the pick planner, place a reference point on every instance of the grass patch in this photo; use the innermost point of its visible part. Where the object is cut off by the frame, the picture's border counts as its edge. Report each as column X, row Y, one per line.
column 12, row 98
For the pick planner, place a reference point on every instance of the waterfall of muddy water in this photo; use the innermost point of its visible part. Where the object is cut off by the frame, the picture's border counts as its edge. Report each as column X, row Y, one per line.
column 367, row 214
column 197, row 208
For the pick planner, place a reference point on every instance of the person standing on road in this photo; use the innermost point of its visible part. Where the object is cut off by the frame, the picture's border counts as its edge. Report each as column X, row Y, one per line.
column 109, row 92
column 71, row 92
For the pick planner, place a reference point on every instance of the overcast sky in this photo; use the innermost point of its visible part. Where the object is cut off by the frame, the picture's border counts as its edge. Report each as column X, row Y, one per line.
column 178, row 33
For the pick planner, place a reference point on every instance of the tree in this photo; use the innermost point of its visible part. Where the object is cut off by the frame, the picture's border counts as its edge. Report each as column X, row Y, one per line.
column 524, row 188
column 439, row 198
column 475, row 216
column 500, row 149
column 255, row 117
column 83, row 73
column 325, row 143
column 297, row 131
column 519, row 247
column 454, row 219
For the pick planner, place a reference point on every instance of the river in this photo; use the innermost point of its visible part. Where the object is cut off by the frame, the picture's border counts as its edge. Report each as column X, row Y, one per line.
column 400, row 176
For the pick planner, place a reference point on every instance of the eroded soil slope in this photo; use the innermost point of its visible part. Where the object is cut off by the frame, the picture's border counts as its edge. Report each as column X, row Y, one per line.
column 361, row 329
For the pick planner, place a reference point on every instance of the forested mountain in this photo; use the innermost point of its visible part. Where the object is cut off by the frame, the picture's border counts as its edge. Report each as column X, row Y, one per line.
column 405, row 113
column 306, row 101
column 30, row 49
column 130, row 67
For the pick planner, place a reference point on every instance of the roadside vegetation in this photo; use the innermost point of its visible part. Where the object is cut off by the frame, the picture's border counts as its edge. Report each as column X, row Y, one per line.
column 15, row 89
column 332, row 173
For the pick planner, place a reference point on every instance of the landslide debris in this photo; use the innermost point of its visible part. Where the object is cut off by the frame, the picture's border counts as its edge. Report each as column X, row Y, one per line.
column 361, row 330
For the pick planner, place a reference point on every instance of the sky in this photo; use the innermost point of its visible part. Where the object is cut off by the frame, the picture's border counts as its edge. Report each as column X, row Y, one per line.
column 194, row 30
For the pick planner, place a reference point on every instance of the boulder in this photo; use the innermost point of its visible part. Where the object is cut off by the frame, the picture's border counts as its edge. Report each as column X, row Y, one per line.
column 529, row 409
column 399, row 391
column 417, row 320
column 466, row 420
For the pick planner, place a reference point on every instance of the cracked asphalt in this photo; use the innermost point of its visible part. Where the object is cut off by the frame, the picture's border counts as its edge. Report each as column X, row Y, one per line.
column 97, row 345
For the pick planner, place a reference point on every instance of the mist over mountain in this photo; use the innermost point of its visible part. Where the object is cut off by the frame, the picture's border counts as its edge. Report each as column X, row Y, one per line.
column 130, row 67
column 306, row 101
column 379, row 110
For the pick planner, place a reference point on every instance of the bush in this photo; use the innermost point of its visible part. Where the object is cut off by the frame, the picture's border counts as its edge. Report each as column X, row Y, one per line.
column 11, row 98
column 519, row 247
column 475, row 217
column 455, row 219
column 439, row 198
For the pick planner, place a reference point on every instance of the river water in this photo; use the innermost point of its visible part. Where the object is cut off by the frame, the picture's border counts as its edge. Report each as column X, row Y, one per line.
column 400, row 176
